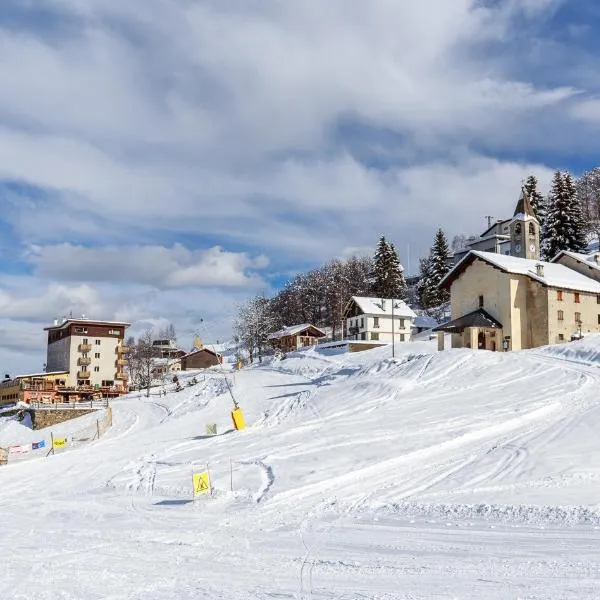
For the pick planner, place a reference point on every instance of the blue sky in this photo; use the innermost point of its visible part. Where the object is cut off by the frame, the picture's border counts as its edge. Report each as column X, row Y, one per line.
column 161, row 160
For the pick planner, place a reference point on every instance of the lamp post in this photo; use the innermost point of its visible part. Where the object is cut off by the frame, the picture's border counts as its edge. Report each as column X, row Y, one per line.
column 394, row 305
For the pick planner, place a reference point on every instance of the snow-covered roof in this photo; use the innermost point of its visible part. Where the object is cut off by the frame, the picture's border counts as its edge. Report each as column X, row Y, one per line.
column 293, row 330
column 591, row 260
column 553, row 274
column 383, row 306
column 85, row 322
column 424, row 321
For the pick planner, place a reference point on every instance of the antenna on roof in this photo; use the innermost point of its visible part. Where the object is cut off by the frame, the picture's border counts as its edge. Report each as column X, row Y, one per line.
column 489, row 220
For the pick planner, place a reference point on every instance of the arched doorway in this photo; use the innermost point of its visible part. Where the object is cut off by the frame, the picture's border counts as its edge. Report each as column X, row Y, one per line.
column 481, row 340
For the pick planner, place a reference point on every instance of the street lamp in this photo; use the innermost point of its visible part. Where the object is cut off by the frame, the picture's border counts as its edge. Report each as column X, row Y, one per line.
column 394, row 305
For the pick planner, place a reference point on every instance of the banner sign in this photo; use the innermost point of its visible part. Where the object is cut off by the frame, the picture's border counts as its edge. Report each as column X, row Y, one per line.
column 60, row 442
column 38, row 445
column 19, row 449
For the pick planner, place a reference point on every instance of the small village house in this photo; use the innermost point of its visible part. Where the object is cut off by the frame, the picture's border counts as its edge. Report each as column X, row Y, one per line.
column 516, row 301
column 295, row 337
column 200, row 358
column 378, row 319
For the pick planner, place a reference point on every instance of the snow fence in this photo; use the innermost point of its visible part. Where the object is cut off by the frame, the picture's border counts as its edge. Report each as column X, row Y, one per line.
column 57, row 439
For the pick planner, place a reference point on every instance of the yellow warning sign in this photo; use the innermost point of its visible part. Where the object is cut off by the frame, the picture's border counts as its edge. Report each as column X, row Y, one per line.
column 59, row 442
column 201, row 483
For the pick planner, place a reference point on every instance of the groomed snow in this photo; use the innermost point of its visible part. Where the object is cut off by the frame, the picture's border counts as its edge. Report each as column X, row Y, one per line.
column 460, row 474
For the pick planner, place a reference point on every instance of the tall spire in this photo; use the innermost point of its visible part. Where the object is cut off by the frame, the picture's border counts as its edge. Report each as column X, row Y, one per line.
column 524, row 205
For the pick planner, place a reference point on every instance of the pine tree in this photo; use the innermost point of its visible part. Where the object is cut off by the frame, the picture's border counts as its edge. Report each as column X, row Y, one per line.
column 388, row 280
column 425, row 291
column 398, row 287
column 578, row 240
column 439, row 266
column 563, row 227
column 538, row 202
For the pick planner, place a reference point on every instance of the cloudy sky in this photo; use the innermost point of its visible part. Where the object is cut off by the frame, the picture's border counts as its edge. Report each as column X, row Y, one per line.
column 162, row 159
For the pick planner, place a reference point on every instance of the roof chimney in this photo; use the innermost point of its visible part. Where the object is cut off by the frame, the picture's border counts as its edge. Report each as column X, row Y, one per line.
column 539, row 268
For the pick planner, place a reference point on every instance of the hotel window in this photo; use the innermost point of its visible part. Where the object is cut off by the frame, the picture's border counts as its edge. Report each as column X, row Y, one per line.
column 577, row 317
column 97, row 342
column 598, row 319
column 559, row 295
column 480, row 301
column 84, row 341
column 375, row 335
column 376, row 324
column 598, row 299
column 81, row 330
column 113, row 332
column 576, row 297
column 362, row 321
column 561, row 337
column 561, row 315
column 401, row 324
column 97, row 369
column 97, row 355
column 402, row 337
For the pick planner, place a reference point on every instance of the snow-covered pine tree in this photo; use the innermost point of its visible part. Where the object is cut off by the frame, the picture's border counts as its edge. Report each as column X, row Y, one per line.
column 578, row 241
column 563, row 228
column 398, row 287
column 388, row 279
column 537, row 201
column 424, row 289
column 381, row 267
column 439, row 265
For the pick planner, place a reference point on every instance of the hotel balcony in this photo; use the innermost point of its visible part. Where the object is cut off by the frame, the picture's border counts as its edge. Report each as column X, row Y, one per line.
column 121, row 362
column 84, row 362
column 83, row 374
column 84, row 348
column 122, row 350
column 122, row 376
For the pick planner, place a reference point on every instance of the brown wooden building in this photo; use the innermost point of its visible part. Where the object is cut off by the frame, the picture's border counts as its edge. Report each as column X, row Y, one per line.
column 294, row 337
column 200, row 359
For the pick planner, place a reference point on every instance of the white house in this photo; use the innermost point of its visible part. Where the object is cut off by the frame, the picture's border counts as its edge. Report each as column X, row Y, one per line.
column 374, row 319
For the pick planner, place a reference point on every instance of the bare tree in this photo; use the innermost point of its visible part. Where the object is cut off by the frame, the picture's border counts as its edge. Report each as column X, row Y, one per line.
column 168, row 333
column 588, row 193
column 141, row 361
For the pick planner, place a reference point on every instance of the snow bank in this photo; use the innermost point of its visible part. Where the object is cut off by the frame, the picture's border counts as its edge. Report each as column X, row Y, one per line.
column 586, row 350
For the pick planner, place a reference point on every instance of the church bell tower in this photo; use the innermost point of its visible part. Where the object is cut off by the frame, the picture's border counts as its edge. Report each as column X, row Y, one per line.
column 525, row 230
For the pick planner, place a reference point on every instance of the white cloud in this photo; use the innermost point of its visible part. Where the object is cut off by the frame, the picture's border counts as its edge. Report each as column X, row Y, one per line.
column 149, row 265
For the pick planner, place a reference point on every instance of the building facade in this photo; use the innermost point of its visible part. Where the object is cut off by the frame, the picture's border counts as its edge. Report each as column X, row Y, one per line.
column 201, row 358
column 294, row 337
column 378, row 319
column 92, row 352
column 510, row 303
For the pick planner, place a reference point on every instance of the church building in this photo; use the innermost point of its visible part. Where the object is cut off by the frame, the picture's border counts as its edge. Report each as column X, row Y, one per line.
column 516, row 301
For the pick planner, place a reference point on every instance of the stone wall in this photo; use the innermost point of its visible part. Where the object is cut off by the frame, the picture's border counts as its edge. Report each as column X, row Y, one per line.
column 42, row 418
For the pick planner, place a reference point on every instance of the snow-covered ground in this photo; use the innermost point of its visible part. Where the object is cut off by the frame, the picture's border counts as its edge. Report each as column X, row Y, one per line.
column 460, row 474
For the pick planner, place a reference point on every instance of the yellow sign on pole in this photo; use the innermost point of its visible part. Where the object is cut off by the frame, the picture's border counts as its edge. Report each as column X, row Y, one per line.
column 59, row 442
column 201, row 482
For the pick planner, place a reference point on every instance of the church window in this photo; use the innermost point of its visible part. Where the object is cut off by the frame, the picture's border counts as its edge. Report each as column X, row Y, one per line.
column 480, row 301
column 559, row 295
column 561, row 315
column 531, row 229
column 576, row 297
column 518, row 228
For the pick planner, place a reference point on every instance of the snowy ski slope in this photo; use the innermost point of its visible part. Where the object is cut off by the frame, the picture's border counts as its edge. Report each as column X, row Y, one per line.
column 460, row 474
